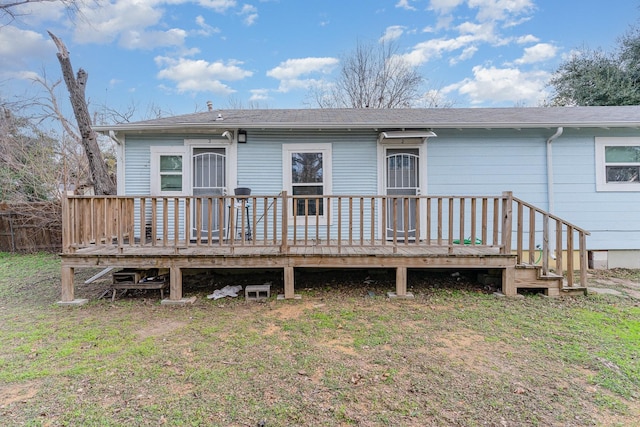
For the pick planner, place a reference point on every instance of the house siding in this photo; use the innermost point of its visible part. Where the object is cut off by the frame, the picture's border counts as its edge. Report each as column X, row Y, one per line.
column 138, row 175
column 611, row 217
column 470, row 165
column 462, row 165
column 354, row 170
column 458, row 162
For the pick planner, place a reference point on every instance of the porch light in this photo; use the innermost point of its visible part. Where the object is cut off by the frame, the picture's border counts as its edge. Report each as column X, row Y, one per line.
column 242, row 136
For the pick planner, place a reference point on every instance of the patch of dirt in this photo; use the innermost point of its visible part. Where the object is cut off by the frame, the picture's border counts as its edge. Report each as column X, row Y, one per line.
column 293, row 311
column 620, row 280
column 160, row 328
column 14, row 393
column 342, row 346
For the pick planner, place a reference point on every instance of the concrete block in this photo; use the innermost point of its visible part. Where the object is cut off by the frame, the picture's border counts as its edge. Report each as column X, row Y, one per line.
column 75, row 302
column 183, row 301
column 393, row 295
column 295, row 296
column 599, row 260
column 257, row 292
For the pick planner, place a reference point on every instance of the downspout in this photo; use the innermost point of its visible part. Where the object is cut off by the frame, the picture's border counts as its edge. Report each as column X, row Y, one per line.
column 552, row 138
column 119, row 162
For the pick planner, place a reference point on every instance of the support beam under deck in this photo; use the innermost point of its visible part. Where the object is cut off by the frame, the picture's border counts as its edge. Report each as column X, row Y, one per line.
column 68, row 294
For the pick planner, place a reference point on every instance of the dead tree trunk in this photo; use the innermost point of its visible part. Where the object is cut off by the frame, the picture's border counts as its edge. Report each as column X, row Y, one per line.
column 102, row 182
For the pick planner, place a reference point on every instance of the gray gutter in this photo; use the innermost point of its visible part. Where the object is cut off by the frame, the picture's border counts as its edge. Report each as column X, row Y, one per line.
column 377, row 125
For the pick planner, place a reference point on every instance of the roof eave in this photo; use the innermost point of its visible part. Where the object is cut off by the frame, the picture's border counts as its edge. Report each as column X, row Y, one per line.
column 190, row 127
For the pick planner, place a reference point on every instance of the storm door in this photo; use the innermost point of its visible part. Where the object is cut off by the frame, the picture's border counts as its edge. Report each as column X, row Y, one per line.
column 402, row 178
column 209, row 179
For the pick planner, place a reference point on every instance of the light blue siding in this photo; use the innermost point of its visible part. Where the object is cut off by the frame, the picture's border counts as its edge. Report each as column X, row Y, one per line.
column 613, row 218
column 458, row 162
column 487, row 166
column 138, row 161
column 138, row 176
column 354, row 164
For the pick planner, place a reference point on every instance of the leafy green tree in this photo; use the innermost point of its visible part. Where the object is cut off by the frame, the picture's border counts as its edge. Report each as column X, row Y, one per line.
column 594, row 77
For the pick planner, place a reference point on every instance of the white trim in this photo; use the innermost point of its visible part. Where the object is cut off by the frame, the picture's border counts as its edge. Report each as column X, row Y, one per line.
column 601, row 179
column 231, row 153
column 382, row 175
column 327, row 172
column 156, row 152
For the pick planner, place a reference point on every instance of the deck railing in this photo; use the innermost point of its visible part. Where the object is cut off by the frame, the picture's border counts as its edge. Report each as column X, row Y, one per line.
column 454, row 223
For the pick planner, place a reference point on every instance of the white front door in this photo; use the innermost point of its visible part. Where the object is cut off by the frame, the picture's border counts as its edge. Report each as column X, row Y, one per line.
column 402, row 178
column 209, row 166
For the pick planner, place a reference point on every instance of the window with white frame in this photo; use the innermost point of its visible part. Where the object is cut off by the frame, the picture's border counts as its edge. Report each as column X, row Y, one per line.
column 618, row 164
column 307, row 172
column 168, row 171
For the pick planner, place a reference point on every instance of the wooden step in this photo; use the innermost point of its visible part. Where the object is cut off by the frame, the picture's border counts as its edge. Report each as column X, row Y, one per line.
column 531, row 277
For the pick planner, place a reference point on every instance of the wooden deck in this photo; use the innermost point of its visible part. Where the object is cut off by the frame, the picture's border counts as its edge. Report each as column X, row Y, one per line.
column 107, row 232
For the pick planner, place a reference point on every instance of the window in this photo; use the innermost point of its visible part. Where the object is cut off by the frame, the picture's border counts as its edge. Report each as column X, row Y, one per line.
column 307, row 173
column 168, row 171
column 618, row 164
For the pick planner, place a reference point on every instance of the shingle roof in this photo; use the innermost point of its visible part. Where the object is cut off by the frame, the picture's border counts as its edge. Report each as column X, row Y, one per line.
column 625, row 116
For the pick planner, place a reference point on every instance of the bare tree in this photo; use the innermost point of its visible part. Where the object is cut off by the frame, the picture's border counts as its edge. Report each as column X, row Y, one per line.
column 102, row 182
column 372, row 76
column 29, row 168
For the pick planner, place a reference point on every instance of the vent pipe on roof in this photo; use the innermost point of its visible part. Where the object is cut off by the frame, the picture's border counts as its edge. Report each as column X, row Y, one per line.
column 552, row 138
column 209, row 105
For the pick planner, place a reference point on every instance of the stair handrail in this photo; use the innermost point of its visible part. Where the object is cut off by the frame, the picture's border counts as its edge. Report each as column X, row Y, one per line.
column 561, row 225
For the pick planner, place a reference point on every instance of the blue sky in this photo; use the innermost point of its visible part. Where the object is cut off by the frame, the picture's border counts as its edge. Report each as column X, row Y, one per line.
column 178, row 54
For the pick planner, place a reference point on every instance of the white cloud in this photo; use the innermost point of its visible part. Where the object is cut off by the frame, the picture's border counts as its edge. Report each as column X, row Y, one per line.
column 205, row 29
column 392, row 33
column 537, row 53
column 139, row 23
column 405, row 4
column 500, row 10
column 17, row 45
column 199, row 75
column 152, row 39
column 434, row 48
column 104, row 22
column 250, row 14
column 444, row 6
column 35, row 13
column 467, row 53
column 290, row 71
column 502, row 85
column 294, row 68
column 529, row 38
column 219, row 6
column 259, row 95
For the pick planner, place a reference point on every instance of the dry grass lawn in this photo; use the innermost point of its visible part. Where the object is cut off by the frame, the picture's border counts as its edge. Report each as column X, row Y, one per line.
column 342, row 355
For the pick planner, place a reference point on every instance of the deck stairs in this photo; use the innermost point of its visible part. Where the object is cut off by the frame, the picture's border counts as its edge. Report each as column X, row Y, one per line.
column 529, row 276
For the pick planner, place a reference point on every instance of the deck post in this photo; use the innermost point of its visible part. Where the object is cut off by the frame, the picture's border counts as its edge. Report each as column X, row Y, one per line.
column 509, row 288
column 175, row 288
column 67, row 284
column 507, row 221
column 289, row 284
column 175, row 283
column 284, row 244
column 67, row 297
column 401, row 285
